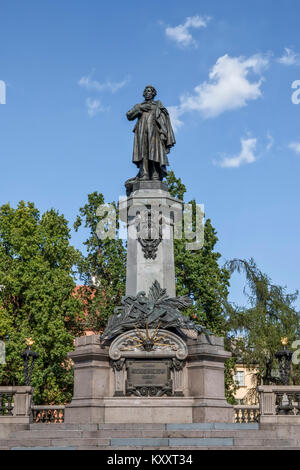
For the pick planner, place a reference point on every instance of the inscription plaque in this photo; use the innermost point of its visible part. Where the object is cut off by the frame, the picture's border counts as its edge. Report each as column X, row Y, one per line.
column 146, row 378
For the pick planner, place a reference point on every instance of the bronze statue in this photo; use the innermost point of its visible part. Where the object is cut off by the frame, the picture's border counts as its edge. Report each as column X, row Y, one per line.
column 153, row 136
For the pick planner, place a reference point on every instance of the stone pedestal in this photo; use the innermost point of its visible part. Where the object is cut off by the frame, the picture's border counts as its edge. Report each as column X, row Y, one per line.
column 205, row 370
column 150, row 213
column 201, row 382
column 93, row 381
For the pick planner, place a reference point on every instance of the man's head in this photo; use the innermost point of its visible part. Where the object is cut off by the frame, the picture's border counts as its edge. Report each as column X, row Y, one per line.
column 149, row 92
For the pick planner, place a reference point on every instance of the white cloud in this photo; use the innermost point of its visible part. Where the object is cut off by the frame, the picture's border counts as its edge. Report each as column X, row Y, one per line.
column 289, row 57
column 89, row 84
column 174, row 116
column 228, row 87
column 93, row 106
column 181, row 34
column 295, row 146
column 246, row 155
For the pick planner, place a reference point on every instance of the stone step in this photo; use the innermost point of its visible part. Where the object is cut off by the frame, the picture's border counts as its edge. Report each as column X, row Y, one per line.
column 107, row 433
column 132, row 443
column 47, row 434
column 117, row 443
column 182, row 436
column 286, row 430
column 265, row 442
column 197, row 442
column 147, row 426
column 173, row 442
column 48, row 448
column 71, row 442
column 218, row 433
column 215, row 426
column 96, row 427
column 187, row 448
column 56, row 434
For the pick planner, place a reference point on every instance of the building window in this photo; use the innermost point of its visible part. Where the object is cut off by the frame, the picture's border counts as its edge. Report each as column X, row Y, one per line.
column 239, row 378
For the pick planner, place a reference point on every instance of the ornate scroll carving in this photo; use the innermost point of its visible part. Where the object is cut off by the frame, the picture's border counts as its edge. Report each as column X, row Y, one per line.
column 148, row 343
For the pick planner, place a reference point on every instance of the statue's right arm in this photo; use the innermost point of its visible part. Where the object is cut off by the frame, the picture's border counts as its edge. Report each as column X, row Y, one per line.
column 134, row 112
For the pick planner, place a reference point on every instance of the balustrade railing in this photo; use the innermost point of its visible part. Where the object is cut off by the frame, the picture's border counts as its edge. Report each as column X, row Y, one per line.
column 276, row 403
column 246, row 414
column 287, row 403
column 6, row 403
column 48, row 413
column 15, row 402
column 279, row 403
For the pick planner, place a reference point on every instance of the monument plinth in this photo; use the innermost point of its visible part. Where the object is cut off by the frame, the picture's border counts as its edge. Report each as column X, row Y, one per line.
column 152, row 364
column 189, row 390
column 150, row 212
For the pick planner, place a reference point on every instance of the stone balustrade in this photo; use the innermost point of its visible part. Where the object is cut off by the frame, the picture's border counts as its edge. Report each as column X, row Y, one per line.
column 6, row 403
column 48, row 413
column 15, row 402
column 246, row 414
column 279, row 404
column 15, row 409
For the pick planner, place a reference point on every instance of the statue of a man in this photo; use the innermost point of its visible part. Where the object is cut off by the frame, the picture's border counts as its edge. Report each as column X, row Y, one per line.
column 153, row 136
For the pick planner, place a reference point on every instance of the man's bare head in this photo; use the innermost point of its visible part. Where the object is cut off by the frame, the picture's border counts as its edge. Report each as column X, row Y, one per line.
column 149, row 92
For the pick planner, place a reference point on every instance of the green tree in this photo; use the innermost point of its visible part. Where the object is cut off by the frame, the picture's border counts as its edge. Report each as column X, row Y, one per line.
column 37, row 299
column 102, row 269
column 198, row 273
column 256, row 330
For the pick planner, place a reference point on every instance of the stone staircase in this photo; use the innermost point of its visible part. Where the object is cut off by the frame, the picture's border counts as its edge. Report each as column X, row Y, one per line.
column 203, row 436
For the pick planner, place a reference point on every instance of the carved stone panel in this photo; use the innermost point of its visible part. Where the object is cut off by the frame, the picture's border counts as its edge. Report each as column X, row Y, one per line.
column 148, row 378
column 148, row 362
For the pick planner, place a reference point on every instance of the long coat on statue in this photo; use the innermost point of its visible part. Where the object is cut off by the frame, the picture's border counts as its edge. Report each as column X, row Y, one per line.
column 154, row 135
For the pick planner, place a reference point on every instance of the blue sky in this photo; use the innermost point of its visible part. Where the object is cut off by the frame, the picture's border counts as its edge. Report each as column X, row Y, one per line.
column 224, row 69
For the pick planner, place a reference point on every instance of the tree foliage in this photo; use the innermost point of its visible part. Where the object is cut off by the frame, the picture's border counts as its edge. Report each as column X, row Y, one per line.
column 102, row 269
column 37, row 298
column 256, row 330
column 198, row 273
